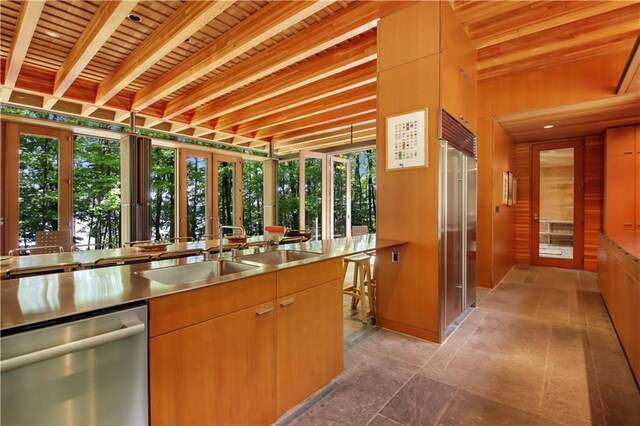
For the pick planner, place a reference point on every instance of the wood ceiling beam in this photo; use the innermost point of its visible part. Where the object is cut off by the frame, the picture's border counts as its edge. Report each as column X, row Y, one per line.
column 361, row 75
column 631, row 26
column 325, row 64
column 337, row 101
column 311, row 124
column 334, row 128
column 182, row 23
column 355, row 19
column 473, row 12
column 366, row 136
column 272, row 19
column 574, row 11
column 102, row 25
column 344, row 131
column 5, row 94
column 30, row 11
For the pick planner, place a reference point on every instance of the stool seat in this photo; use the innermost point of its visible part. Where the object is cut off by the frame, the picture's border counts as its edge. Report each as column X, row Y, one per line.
column 363, row 287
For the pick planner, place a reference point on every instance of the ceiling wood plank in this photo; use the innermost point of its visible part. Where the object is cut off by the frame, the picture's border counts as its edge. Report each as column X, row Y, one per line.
column 337, row 101
column 341, row 140
column 325, row 64
column 272, row 19
column 106, row 20
column 631, row 26
column 185, row 21
column 30, row 11
column 366, row 116
column 350, row 79
column 548, row 22
column 346, row 115
column 357, row 18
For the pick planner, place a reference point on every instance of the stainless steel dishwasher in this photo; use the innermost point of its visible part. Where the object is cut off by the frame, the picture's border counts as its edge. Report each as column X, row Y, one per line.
column 90, row 369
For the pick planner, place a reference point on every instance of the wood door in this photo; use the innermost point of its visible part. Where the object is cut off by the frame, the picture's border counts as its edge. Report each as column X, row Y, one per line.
column 557, row 204
column 218, row 372
column 620, row 193
column 309, row 335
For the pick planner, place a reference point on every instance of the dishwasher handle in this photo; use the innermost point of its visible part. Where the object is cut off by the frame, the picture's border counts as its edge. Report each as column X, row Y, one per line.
column 71, row 347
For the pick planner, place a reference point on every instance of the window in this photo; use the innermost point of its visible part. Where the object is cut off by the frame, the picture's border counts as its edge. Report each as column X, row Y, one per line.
column 196, row 202
column 363, row 188
column 226, row 192
column 163, row 193
column 96, row 190
column 252, row 197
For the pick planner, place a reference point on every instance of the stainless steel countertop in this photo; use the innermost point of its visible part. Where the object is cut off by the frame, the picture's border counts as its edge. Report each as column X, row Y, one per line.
column 46, row 297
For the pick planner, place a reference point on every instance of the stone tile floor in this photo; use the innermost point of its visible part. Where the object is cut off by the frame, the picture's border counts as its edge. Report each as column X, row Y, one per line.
column 538, row 350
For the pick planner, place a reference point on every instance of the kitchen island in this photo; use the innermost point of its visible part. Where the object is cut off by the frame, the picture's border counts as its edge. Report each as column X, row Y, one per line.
column 237, row 348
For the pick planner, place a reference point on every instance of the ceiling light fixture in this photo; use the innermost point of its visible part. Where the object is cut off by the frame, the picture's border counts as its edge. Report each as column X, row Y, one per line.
column 133, row 17
column 548, row 126
column 187, row 40
column 51, row 34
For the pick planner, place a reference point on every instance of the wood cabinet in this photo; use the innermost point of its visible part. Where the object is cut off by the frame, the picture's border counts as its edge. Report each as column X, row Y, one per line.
column 309, row 336
column 622, row 179
column 246, row 351
column 220, row 371
column 619, row 282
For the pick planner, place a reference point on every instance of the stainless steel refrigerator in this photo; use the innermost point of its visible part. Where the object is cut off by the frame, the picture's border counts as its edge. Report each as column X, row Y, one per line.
column 458, row 207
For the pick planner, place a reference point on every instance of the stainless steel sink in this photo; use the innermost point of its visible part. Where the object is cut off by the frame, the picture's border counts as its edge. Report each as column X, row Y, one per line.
column 193, row 272
column 277, row 257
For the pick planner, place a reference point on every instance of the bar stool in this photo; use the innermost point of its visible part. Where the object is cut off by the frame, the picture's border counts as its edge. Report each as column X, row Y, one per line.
column 362, row 286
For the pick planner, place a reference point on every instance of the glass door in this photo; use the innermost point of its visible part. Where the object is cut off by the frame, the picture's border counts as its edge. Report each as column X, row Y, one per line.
column 340, row 197
column 196, row 212
column 228, row 184
column 557, row 204
column 313, row 194
column 39, row 181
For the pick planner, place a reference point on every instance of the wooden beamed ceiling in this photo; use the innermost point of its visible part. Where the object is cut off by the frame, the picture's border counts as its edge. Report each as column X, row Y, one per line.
column 297, row 74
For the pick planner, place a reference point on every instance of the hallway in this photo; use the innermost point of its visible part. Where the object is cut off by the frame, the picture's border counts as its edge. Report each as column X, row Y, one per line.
column 539, row 349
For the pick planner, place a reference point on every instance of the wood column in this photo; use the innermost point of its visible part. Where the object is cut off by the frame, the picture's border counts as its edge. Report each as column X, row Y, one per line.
column 409, row 80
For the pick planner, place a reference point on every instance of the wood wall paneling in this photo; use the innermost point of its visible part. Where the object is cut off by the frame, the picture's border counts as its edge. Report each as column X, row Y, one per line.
column 485, row 204
column 593, row 198
column 522, row 166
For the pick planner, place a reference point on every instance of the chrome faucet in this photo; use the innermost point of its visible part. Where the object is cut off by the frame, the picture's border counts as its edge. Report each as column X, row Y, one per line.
column 221, row 236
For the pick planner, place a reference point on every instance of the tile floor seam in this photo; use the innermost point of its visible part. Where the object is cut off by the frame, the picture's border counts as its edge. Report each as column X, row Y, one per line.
column 462, row 345
column 395, row 394
column 387, row 418
column 597, row 381
column 446, row 406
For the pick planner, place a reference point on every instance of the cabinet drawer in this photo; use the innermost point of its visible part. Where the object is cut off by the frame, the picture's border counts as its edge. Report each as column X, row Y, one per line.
column 297, row 279
column 179, row 310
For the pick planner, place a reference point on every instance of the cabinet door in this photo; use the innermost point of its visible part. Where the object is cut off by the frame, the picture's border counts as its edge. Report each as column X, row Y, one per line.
column 310, row 347
column 220, row 371
column 621, row 141
column 620, row 193
column 637, row 190
column 634, row 303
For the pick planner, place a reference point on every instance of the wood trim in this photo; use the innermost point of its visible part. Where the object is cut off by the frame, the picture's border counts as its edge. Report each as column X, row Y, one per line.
column 270, row 20
column 409, row 330
column 578, row 204
column 189, row 18
column 28, row 18
column 325, row 64
column 106, row 20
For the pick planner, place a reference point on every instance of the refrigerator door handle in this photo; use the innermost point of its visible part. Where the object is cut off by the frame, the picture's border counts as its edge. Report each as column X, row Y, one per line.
column 71, row 347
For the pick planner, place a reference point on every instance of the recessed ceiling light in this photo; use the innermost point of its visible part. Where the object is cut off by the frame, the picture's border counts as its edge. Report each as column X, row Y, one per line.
column 548, row 126
column 187, row 40
column 135, row 18
column 51, row 34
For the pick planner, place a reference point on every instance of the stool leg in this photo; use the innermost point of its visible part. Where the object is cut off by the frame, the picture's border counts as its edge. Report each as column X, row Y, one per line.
column 354, row 300
column 363, row 288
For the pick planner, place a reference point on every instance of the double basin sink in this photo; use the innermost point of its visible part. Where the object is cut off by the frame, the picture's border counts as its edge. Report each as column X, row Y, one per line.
column 194, row 272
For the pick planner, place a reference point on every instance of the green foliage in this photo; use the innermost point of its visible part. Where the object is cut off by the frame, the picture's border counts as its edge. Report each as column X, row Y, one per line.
column 288, row 194
column 313, row 196
column 38, row 197
column 363, row 188
column 225, row 192
column 252, row 197
column 96, row 190
column 339, row 199
column 163, row 193
column 196, row 196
